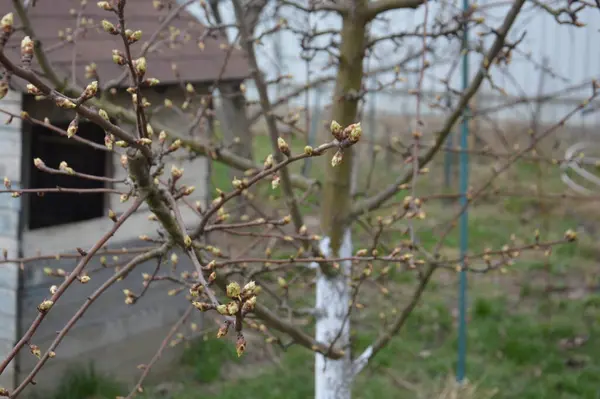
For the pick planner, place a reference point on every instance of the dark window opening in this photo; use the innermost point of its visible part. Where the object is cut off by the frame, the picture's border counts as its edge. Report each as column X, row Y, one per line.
column 53, row 209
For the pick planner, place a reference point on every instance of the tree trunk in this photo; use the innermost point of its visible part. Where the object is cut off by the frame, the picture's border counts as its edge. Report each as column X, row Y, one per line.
column 333, row 378
column 235, row 121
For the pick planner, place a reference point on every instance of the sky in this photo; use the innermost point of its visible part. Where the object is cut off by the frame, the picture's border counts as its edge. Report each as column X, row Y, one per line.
column 551, row 57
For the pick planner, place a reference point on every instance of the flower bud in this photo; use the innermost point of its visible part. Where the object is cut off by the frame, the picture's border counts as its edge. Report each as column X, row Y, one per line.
column 223, row 329
column 45, row 306
column 162, row 136
column 282, row 283
column 91, row 90
column 222, row 309
column 275, row 182
column 237, row 183
column 135, row 36
column 355, row 132
column 176, row 173
column 6, row 23
column 65, row 103
column 105, row 5
column 308, row 150
column 65, row 168
column 249, row 288
column 38, row 163
column 140, row 66
column 240, row 345
column 3, row 88
column 32, row 89
column 202, row 306
column 175, row 146
column 91, row 71
column 233, row 290
column 570, row 235
column 152, row 82
column 26, row 46
column 283, row 146
column 336, row 129
column 72, row 129
column 108, row 141
column 269, row 162
column 109, row 27
column 103, row 114
column 337, row 158
column 118, row 57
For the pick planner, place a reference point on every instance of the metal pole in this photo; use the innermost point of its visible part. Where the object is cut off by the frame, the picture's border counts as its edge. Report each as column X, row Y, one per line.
column 449, row 155
column 464, row 218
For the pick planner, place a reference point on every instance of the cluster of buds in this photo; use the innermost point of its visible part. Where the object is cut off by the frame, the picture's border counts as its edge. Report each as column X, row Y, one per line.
column 352, row 132
column 413, row 206
column 130, row 297
column 118, row 57
column 48, row 271
column 66, row 168
column 91, row 71
column 133, row 36
column 35, row 350
column 32, row 89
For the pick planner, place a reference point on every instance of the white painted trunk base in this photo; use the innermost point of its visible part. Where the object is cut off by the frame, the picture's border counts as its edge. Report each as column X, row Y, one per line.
column 333, row 378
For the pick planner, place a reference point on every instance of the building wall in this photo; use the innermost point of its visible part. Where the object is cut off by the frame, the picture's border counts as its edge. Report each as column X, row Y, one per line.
column 114, row 336
column 87, row 232
column 10, row 167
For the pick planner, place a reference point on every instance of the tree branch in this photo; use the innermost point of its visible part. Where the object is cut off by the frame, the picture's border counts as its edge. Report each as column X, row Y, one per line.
column 374, row 202
column 381, row 6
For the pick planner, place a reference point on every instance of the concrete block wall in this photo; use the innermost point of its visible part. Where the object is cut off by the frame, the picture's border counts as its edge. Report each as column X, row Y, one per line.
column 114, row 336
column 111, row 335
column 10, row 167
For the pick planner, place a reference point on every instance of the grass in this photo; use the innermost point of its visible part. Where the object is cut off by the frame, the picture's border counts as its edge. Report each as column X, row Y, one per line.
column 84, row 383
column 517, row 330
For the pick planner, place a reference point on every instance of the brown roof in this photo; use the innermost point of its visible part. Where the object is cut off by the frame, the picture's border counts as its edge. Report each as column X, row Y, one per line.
column 49, row 17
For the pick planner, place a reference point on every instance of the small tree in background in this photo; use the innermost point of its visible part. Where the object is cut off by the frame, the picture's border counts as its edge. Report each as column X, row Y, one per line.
column 266, row 291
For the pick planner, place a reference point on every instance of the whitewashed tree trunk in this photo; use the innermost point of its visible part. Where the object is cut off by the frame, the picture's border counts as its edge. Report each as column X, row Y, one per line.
column 333, row 378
